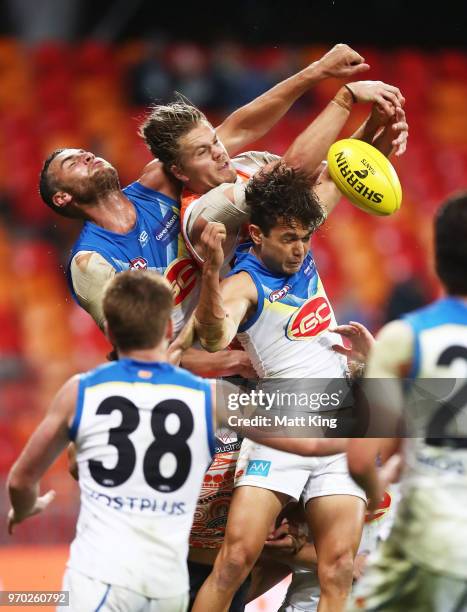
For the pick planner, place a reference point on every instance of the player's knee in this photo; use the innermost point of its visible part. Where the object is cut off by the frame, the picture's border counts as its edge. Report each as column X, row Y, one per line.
column 336, row 572
column 234, row 564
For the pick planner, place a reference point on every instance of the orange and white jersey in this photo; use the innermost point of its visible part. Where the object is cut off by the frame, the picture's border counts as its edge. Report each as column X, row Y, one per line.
column 215, row 206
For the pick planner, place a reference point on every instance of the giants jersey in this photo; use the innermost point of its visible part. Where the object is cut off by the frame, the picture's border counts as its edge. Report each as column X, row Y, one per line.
column 213, row 504
column 143, row 434
column 432, row 522
column 215, row 206
column 154, row 243
column 288, row 334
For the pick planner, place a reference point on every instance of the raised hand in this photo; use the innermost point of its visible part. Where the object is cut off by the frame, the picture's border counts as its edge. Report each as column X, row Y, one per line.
column 386, row 96
column 341, row 62
column 361, row 340
column 212, row 238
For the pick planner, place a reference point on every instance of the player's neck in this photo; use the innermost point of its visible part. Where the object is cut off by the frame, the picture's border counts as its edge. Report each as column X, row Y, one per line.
column 113, row 211
column 158, row 353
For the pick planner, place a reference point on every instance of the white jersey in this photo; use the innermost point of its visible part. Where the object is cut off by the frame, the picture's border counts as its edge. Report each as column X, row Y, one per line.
column 432, row 521
column 144, row 440
column 288, row 336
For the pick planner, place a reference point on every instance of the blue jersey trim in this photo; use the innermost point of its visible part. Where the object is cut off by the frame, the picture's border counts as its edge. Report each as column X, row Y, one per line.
column 78, row 411
column 259, row 306
column 137, row 186
column 102, row 602
column 209, row 423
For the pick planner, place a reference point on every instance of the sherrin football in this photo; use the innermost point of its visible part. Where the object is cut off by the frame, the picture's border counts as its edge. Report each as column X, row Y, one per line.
column 365, row 176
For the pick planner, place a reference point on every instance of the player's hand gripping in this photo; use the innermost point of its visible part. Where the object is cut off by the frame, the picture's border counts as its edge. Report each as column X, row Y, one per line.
column 41, row 504
column 212, row 239
column 396, row 131
column 341, row 62
column 387, row 96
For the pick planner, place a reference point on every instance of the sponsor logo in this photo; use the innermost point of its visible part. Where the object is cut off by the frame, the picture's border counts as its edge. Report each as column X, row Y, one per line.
column 353, row 179
column 182, row 275
column 138, row 263
column 278, row 294
column 258, row 468
column 143, row 238
column 311, row 320
column 169, row 223
column 361, row 173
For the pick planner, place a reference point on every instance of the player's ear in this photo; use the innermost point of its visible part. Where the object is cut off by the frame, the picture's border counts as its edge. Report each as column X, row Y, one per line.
column 256, row 234
column 61, row 199
column 178, row 173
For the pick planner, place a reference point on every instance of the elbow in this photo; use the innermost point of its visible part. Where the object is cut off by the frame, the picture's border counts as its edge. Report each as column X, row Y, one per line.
column 213, row 346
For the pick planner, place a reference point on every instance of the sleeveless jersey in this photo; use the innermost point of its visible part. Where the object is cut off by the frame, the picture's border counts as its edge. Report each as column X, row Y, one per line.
column 287, row 336
column 144, row 439
column 432, row 521
column 154, row 243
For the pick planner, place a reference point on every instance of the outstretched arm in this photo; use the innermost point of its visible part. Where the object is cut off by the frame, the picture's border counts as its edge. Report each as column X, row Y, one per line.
column 252, row 121
column 310, row 147
column 44, row 446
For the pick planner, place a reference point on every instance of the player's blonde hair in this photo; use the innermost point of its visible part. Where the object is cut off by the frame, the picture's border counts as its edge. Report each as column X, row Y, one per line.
column 165, row 125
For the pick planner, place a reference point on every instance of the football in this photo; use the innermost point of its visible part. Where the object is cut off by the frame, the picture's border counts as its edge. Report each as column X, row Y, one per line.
column 365, row 176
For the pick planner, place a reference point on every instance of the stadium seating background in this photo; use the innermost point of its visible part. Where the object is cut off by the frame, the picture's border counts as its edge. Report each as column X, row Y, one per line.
column 93, row 95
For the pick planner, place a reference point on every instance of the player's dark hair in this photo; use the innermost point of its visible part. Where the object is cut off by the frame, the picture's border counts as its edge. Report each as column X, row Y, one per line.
column 165, row 125
column 48, row 186
column 451, row 244
column 137, row 306
column 283, row 194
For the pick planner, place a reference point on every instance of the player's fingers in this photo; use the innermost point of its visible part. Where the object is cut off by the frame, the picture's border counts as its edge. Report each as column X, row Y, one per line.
column 46, row 499
column 353, row 69
column 358, row 326
column 10, row 523
column 345, row 330
column 391, row 97
column 337, row 348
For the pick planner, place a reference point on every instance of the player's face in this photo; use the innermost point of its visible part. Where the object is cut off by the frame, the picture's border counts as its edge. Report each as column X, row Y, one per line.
column 204, row 161
column 284, row 250
column 83, row 175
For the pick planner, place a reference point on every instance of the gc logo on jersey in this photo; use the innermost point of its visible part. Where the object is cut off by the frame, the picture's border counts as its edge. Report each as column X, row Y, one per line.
column 182, row 275
column 138, row 263
column 311, row 320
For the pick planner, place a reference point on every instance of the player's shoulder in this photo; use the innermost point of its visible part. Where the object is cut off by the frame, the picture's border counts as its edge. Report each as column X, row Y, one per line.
column 442, row 311
column 252, row 160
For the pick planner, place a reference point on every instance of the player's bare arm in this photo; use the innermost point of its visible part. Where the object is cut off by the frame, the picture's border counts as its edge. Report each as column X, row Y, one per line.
column 222, row 306
column 45, row 445
column 90, row 273
column 251, row 122
column 311, row 146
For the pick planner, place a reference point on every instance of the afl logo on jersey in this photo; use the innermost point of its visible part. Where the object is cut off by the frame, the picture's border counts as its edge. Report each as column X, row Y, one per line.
column 278, row 294
column 138, row 263
column 311, row 320
column 182, row 275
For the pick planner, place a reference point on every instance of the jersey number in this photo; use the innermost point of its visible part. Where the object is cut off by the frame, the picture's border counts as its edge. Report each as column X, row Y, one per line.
column 450, row 408
column 164, row 442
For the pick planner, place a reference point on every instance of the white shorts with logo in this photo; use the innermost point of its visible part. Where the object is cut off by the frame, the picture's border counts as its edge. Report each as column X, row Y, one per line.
column 293, row 475
column 90, row 595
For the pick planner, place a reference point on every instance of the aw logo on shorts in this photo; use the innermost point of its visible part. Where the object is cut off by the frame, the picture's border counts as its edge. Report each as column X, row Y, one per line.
column 310, row 320
column 182, row 275
column 258, row 468
column 138, row 263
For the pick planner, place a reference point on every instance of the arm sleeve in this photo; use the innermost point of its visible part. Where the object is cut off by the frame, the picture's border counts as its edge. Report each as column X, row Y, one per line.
column 90, row 273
